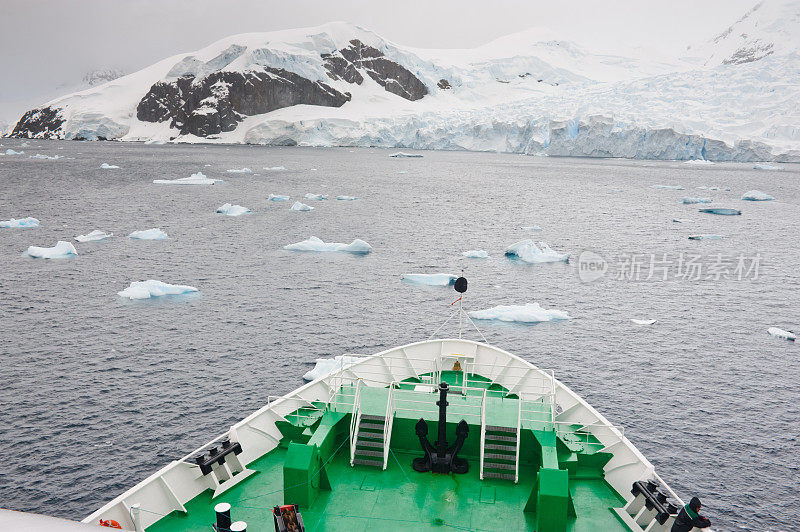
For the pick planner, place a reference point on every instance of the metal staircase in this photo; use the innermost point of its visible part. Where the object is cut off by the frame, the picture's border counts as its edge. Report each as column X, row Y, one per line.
column 501, row 450
column 369, row 441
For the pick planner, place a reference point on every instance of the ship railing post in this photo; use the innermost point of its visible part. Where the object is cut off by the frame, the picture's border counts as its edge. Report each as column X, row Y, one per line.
column 136, row 517
column 519, row 425
column 483, row 431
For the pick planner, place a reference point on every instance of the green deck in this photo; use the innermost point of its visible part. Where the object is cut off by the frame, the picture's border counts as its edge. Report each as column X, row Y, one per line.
column 369, row 498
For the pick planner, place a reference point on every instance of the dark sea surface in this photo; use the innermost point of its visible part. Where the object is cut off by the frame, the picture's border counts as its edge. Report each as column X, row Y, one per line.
column 99, row 392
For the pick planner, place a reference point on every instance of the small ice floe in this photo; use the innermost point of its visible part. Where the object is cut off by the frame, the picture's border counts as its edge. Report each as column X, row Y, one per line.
column 705, row 237
column 195, row 179
column 346, row 198
column 297, row 206
column 429, row 279
column 721, row 211
column 61, row 250
column 713, row 188
column 681, row 220
column 698, row 162
column 326, row 366
column 278, row 197
column 401, row 154
column 274, row 168
column 240, row 171
column 476, row 254
column 780, row 333
column 47, row 157
column 402, row 172
column 643, row 322
column 315, row 197
column 692, row 201
column 106, row 166
column 356, row 247
column 669, row 187
column 528, row 313
column 756, row 195
column 527, row 251
column 153, row 288
column 765, row 166
column 233, row 210
column 149, row 234
column 12, row 152
column 21, row 223
column 531, row 228
column 95, row 236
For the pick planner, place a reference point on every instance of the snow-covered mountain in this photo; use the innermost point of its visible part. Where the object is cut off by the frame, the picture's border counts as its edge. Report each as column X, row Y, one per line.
column 341, row 85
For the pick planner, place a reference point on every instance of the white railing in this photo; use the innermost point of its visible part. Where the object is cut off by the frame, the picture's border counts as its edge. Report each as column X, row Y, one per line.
column 354, row 421
column 387, row 425
column 519, row 426
column 483, row 430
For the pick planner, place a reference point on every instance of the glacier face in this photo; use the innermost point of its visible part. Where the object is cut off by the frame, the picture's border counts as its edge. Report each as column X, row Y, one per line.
column 531, row 93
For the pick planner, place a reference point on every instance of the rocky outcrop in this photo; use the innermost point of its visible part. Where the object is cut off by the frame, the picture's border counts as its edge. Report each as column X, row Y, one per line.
column 219, row 101
column 44, row 123
column 394, row 77
column 444, row 84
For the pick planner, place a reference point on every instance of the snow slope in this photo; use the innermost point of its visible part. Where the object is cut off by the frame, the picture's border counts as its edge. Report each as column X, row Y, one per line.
column 529, row 92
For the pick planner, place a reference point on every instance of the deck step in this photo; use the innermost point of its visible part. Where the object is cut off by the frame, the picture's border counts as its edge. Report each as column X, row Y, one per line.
column 506, row 476
column 370, row 435
column 369, row 443
column 361, row 461
column 371, row 426
column 501, row 438
column 497, row 447
column 496, row 428
column 496, row 456
column 364, row 452
column 498, row 465
column 369, row 417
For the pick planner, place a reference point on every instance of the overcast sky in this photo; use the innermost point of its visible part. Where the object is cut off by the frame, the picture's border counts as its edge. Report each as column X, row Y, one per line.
column 48, row 45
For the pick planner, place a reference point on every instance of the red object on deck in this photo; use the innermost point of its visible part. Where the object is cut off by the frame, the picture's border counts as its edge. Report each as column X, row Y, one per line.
column 110, row 523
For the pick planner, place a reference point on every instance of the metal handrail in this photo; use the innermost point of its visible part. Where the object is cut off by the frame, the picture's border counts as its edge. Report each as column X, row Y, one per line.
column 387, row 424
column 483, row 430
column 519, row 426
column 356, row 413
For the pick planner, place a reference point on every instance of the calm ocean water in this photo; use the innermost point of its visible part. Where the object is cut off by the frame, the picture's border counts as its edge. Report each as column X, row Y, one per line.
column 98, row 393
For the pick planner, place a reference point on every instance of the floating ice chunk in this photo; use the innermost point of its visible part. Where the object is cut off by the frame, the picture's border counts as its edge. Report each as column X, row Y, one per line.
column 12, row 152
column 48, row 157
column 106, row 166
column 278, row 197
column 61, row 250
column 21, row 223
column 297, row 206
column 326, row 366
column 274, row 168
column 527, row 251
column 149, row 234
column 691, row 201
column 346, row 198
column 430, row 279
column 403, row 172
column 724, row 212
column 528, row 313
column 95, row 236
column 240, row 171
column 476, row 254
column 756, row 195
column 765, row 166
column 152, row 288
column 316, row 197
column 531, row 228
column 780, row 333
column 669, row 187
column 356, row 247
column 233, row 210
column 705, row 237
column 195, row 179
column 698, row 162
column 401, row 154
column 643, row 322
column 681, row 220
column 712, row 188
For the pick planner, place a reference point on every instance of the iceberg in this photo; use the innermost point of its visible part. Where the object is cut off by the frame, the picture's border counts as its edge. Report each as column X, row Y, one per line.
column 527, row 251
column 643, row 322
column 531, row 228
column 106, row 166
column 297, row 206
column 22, row 222
column 681, row 220
column 233, row 210
column 152, row 288
column 429, row 279
column 47, row 157
column 95, row 236
column 316, row 197
column 346, row 198
column 195, row 179
column 240, row 171
column 401, row 154
column 149, row 234
column 705, row 237
column 756, row 195
column 274, row 168
column 403, row 172
column 278, row 197
column 669, row 187
column 61, row 250
column 476, row 254
column 356, row 247
column 765, row 166
column 698, row 162
column 12, row 152
column 528, row 313
column 691, row 201
column 713, row 188
column 724, row 212
column 780, row 333
column 326, row 366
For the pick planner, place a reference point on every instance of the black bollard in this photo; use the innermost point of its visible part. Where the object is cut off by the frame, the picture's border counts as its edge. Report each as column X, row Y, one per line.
column 223, row 511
